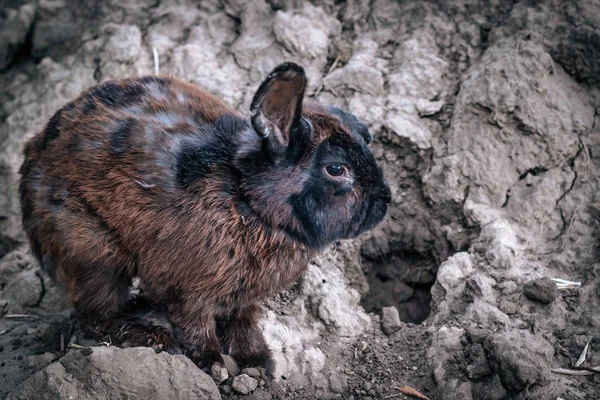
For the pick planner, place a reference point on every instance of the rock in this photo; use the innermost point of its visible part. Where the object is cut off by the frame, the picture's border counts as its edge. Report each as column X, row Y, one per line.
column 218, row 373
column 427, row 108
column 410, row 127
column 338, row 382
column 14, row 262
column 135, row 373
column 252, row 372
column 445, row 357
column 25, row 289
column 243, row 384
column 501, row 243
column 390, row 323
column 231, row 365
column 543, row 290
column 313, row 362
column 361, row 74
column 523, row 359
column 420, row 74
column 336, row 304
column 306, row 33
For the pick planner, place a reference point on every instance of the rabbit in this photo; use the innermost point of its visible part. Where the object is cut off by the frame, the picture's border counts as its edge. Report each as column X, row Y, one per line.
column 156, row 179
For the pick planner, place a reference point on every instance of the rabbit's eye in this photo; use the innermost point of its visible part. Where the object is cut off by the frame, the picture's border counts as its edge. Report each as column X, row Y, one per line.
column 335, row 170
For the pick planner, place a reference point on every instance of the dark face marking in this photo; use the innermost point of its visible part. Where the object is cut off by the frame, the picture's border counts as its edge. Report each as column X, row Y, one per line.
column 120, row 136
column 329, row 209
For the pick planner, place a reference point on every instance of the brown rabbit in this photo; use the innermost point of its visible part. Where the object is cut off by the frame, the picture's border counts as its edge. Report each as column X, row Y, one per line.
column 155, row 178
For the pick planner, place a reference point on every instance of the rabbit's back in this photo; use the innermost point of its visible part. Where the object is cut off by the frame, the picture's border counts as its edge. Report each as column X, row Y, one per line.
column 112, row 171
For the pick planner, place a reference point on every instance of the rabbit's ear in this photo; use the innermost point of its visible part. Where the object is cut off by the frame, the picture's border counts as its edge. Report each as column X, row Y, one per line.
column 277, row 106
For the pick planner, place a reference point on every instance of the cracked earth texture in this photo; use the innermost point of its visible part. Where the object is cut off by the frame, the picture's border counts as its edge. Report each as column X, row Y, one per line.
column 484, row 115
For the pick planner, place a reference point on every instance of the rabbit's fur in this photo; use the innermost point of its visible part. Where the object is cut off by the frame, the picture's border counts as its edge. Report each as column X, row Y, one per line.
column 155, row 178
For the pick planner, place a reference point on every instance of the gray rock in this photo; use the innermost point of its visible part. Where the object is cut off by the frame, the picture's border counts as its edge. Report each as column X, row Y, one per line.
column 243, row 384
column 25, row 289
column 543, row 290
column 111, row 373
column 524, row 359
column 390, row 323
column 218, row 373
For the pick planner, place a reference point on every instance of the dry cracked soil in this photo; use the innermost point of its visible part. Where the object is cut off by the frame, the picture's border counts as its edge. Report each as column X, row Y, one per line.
column 484, row 116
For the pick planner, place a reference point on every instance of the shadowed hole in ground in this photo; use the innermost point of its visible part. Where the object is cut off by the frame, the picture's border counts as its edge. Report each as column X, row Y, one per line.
column 400, row 280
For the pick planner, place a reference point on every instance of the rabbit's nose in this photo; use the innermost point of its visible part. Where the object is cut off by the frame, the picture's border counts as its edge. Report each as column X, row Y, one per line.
column 386, row 193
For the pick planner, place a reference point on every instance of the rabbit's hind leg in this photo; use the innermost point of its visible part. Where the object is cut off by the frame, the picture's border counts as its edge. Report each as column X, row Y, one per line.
column 142, row 323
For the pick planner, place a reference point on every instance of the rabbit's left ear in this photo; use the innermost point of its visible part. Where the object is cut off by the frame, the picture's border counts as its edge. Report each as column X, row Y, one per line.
column 277, row 107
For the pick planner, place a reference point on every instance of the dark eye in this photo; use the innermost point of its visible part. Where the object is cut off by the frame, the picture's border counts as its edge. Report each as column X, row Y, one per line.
column 335, row 170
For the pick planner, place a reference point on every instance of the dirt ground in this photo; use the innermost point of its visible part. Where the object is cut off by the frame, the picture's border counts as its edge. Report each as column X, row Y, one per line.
column 484, row 116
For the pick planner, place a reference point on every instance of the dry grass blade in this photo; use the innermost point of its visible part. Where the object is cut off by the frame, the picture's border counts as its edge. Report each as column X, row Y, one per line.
column 333, row 66
column 576, row 372
column 569, row 227
column 156, row 64
column 14, row 316
column 407, row 390
column 565, row 284
column 583, row 355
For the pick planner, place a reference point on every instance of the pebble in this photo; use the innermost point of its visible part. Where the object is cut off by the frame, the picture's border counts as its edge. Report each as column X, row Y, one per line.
column 543, row 290
column 218, row 373
column 390, row 323
column 244, row 384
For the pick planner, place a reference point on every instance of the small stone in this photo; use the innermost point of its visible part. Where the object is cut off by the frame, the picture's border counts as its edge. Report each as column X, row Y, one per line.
column 87, row 351
column 243, row 384
column 337, row 382
column 543, row 290
column 218, row 373
column 426, row 108
column 390, row 323
column 24, row 290
column 252, row 372
column 230, row 365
